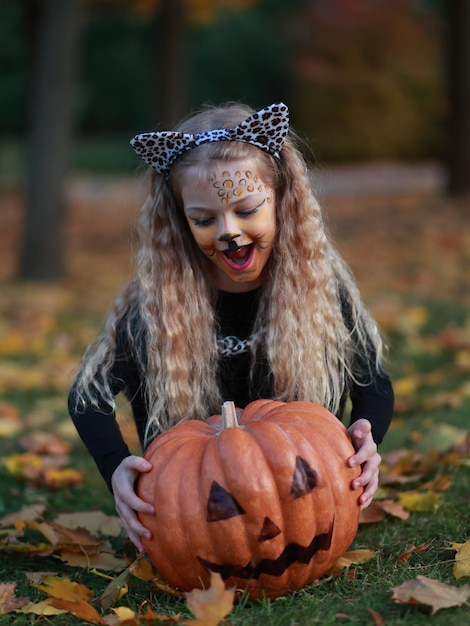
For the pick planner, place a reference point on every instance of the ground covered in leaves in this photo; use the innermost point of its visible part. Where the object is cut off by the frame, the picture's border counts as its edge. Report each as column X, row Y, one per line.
column 63, row 557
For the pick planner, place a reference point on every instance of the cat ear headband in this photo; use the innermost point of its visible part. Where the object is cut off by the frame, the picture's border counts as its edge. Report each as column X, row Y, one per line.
column 266, row 129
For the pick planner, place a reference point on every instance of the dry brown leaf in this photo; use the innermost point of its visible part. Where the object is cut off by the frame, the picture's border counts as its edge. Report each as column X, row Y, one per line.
column 10, row 422
column 210, row 606
column 462, row 559
column 373, row 514
column 405, row 556
column 94, row 521
column 41, row 442
column 104, row 560
column 26, row 513
column 430, row 592
column 395, row 509
column 377, row 619
column 9, row 602
column 375, row 511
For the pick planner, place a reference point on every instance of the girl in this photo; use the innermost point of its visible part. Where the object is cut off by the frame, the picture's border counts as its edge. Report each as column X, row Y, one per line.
column 239, row 294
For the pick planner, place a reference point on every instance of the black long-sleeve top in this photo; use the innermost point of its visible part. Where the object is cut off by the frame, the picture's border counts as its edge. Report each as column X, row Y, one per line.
column 236, row 312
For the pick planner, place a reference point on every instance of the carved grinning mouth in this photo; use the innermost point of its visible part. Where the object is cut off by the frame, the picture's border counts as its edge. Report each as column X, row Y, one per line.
column 292, row 553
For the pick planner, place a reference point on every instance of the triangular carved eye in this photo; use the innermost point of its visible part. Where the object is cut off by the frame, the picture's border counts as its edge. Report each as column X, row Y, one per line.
column 304, row 480
column 269, row 530
column 221, row 504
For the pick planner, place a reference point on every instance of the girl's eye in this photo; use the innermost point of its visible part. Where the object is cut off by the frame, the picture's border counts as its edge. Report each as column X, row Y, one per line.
column 248, row 212
column 203, row 221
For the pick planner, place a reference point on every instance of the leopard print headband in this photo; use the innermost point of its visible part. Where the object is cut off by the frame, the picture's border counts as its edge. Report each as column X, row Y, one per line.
column 266, row 129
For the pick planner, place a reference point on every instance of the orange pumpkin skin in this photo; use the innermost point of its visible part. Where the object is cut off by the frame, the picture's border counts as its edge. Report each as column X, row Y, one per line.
column 268, row 505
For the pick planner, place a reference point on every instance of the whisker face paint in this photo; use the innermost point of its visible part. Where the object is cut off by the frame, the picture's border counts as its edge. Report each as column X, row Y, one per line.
column 232, row 216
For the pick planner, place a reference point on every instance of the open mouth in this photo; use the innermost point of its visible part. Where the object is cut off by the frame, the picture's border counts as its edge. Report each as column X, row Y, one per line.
column 240, row 258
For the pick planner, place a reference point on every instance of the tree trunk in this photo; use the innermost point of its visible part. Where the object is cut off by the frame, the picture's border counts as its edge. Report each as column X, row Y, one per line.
column 458, row 157
column 171, row 86
column 54, row 74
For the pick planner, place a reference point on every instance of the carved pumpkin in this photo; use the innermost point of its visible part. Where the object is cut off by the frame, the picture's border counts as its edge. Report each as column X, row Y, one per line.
column 266, row 502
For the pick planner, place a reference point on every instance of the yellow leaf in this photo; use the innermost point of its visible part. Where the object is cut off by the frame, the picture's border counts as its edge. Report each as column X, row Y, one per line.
column 210, row 606
column 415, row 501
column 354, row 557
column 462, row 559
column 42, row 608
column 54, row 478
column 405, row 386
column 64, row 588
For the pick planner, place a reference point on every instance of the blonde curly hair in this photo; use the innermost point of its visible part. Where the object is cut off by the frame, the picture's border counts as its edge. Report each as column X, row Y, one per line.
column 313, row 322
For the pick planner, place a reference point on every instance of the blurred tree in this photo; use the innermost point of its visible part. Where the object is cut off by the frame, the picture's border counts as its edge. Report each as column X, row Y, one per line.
column 458, row 45
column 55, row 37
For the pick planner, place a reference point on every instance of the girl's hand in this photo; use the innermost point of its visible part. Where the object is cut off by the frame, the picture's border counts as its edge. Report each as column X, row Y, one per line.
column 126, row 500
column 366, row 456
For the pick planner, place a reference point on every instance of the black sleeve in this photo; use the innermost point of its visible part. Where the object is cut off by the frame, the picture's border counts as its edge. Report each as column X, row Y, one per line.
column 96, row 422
column 372, row 393
column 374, row 402
column 101, row 435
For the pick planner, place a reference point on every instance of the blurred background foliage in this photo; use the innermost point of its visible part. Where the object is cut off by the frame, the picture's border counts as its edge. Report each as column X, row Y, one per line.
column 364, row 79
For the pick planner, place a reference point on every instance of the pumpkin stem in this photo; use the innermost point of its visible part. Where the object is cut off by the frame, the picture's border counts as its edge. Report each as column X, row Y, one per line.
column 229, row 415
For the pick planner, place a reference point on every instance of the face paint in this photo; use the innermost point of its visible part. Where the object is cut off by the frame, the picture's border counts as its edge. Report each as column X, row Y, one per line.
column 233, row 220
column 241, row 183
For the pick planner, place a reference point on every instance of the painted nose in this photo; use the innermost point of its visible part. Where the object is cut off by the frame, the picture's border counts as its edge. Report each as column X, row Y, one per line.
column 229, row 237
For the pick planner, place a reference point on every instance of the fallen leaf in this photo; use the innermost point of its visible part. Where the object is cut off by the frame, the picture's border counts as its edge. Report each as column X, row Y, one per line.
column 10, row 422
column 405, row 556
column 9, row 602
column 122, row 614
column 375, row 511
column 430, row 592
column 115, row 590
column 354, row 557
column 210, row 606
column 38, row 577
column 462, row 559
column 376, row 617
column 58, row 478
column 142, row 568
column 45, row 443
column 42, row 608
column 63, row 588
column 94, row 521
column 415, row 501
column 395, row 509
column 26, row 513
column 104, row 560
column 79, row 608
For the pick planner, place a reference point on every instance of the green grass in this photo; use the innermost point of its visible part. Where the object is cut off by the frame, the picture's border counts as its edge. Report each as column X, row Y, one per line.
column 347, row 598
